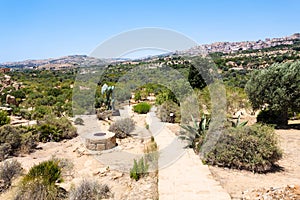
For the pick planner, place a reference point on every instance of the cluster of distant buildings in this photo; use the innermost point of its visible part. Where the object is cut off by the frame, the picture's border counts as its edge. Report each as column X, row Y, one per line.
column 232, row 47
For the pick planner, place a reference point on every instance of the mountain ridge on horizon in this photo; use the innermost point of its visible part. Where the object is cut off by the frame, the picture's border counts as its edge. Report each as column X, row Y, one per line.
column 224, row 47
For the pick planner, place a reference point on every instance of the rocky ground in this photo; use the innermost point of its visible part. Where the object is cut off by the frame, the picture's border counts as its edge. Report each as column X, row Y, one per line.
column 88, row 166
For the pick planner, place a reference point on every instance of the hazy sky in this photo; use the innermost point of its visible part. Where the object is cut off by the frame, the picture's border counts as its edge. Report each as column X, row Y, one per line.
column 34, row 29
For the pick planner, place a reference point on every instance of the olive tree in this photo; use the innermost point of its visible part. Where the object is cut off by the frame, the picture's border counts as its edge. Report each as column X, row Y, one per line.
column 276, row 88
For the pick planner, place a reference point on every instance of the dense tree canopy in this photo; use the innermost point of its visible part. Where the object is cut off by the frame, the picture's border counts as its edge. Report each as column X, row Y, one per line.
column 277, row 88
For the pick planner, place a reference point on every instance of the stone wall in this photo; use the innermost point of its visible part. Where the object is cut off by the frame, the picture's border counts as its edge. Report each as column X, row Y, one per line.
column 103, row 143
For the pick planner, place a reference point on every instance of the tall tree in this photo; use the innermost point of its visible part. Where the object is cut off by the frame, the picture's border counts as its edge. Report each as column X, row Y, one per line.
column 201, row 72
column 277, row 88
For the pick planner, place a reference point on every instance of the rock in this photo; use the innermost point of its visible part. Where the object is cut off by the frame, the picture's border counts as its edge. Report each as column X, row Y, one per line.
column 80, row 151
column 102, row 171
column 17, row 86
column 11, row 100
column 117, row 175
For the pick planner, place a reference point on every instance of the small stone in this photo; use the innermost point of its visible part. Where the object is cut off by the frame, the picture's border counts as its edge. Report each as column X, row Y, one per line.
column 117, row 175
column 100, row 147
column 291, row 186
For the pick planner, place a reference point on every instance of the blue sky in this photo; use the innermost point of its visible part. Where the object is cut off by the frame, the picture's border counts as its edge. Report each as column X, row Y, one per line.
column 34, row 29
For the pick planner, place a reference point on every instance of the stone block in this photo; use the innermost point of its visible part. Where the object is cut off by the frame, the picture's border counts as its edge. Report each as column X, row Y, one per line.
column 100, row 147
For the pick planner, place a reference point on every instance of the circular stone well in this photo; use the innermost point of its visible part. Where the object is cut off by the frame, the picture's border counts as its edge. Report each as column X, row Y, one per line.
column 100, row 141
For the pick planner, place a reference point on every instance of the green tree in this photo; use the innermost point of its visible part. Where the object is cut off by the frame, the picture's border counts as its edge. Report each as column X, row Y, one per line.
column 200, row 73
column 277, row 88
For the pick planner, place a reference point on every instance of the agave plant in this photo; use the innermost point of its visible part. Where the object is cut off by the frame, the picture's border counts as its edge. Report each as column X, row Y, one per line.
column 238, row 123
column 195, row 134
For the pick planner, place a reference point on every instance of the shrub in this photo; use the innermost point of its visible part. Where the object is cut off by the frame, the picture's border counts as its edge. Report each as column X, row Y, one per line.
column 151, row 154
column 37, row 190
column 10, row 141
column 5, row 151
column 139, row 169
column 4, row 119
column 56, row 129
column 90, row 190
column 24, row 113
column 48, row 172
column 66, row 166
column 14, row 140
column 252, row 148
column 122, row 127
column 28, row 142
column 195, row 134
column 8, row 171
column 40, row 182
column 137, row 96
column 166, row 109
column 79, row 121
column 142, row 108
column 39, row 112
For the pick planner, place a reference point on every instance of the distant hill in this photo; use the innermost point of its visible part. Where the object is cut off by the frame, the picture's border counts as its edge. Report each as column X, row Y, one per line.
column 225, row 48
column 57, row 63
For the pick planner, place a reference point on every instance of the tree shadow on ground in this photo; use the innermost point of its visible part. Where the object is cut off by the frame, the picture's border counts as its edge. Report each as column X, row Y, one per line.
column 289, row 126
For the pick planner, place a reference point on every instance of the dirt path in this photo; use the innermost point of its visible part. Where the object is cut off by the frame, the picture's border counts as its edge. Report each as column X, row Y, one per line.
column 183, row 176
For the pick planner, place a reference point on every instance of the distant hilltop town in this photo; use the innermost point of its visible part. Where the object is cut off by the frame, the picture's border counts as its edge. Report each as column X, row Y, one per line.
column 74, row 61
column 232, row 47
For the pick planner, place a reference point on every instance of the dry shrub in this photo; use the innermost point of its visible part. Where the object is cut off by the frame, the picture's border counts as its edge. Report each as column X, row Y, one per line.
column 122, row 127
column 90, row 190
column 8, row 171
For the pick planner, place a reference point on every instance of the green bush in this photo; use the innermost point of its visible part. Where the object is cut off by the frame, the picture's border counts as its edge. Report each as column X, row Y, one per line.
column 90, row 190
column 137, row 96
column 29, row 141
column 56, row 129
column 39, row 112
column 15, row 140
column 142, row 108
column 66, row 166
column 8, row 171
column 253, row 148
column 139, row 169
column 48, row 172
column 122, row 127
column 4, row 119
column 40, row 182
column 10, row 141
column 166, row 108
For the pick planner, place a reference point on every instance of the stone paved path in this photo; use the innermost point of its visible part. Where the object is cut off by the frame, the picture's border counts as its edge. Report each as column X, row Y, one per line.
column 181, row 172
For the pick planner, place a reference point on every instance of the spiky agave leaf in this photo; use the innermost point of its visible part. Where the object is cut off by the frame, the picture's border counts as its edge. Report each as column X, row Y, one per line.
column 203, row 123
column 243, row 124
